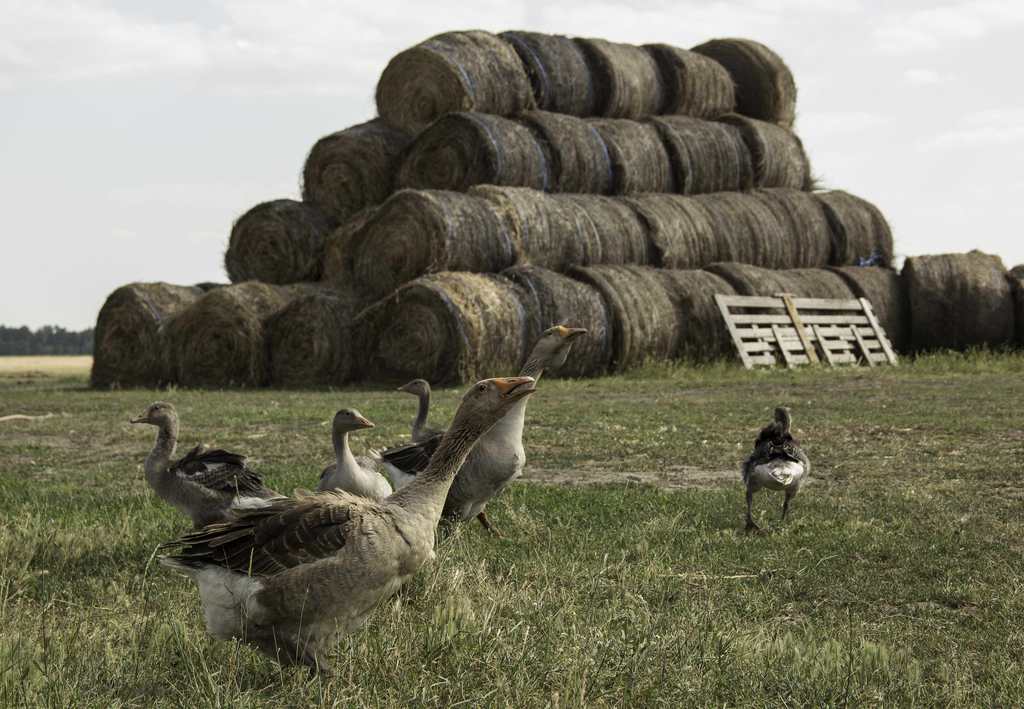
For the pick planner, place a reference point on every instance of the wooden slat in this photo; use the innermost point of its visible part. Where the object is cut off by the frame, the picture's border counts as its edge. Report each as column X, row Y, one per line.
column 830, row 331
column 783, row 319
column 826, row 304
column 723, row 307
column 812, row 319
column 761, row 319
column 783, row 350
column 825, row 350
column 800, row 332
column 863, row 347
column 879, row 332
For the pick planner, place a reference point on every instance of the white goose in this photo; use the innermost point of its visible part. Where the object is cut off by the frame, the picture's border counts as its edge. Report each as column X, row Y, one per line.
column 293, row 577
column 356, row 475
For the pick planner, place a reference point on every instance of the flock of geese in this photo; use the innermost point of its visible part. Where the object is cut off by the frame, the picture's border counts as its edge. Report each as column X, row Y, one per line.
column 291, row 575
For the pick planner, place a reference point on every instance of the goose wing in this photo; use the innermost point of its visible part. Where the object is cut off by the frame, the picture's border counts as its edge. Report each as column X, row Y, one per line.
column 220, row 470
column 268, row 540
column 412, row 458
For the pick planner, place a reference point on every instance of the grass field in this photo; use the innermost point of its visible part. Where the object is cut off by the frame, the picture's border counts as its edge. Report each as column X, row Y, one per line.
column 897, row 579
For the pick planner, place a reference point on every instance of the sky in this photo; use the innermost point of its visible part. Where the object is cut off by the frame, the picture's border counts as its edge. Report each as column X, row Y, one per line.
column 134, row 132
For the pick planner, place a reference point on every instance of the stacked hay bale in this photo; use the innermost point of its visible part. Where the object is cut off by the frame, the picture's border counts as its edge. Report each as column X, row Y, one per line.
column 1016, row 277
column 516, row 180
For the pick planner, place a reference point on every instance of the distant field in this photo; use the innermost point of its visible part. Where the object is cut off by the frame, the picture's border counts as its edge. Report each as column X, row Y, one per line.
column 896, row 581
column 49, row 365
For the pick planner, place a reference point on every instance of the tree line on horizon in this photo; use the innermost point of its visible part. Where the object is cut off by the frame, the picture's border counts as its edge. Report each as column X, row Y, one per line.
column 46, row 340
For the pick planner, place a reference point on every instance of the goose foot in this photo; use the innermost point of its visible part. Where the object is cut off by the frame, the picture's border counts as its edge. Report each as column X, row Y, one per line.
column 752, row 527
column 487, row 525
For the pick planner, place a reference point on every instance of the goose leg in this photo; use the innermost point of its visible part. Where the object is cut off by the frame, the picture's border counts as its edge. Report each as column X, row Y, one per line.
column 790, row 494
column 751, row 524
column 487, row 524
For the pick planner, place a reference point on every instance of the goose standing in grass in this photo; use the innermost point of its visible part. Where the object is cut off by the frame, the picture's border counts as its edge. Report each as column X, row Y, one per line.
column 206, row 485
column 421, row 390
column 777, row 463
column 355, row 475
column 293, row 577
column 499, row 457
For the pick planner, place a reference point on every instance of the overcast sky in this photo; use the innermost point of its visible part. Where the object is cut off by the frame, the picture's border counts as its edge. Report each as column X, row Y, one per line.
column 133, row 132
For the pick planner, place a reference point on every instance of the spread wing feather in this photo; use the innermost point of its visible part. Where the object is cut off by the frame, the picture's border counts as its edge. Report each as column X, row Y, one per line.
column 222, row 471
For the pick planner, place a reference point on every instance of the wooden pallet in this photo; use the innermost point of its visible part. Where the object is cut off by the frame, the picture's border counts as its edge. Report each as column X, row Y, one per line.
column 781, row 329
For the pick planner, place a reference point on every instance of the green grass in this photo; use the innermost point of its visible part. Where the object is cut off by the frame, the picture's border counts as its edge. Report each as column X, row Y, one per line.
column 897, row 579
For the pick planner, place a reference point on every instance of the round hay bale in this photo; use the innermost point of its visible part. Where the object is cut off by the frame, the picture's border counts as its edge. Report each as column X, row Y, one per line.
column 563, row 230
column 694, row 85
column 578, row 158
column 426, row 231
column 553, row 299
column 1016, row 277
column 643, row 317
column 640, row 162
column 777, row 154
column 337, row 266
column 313, row 340
column 703, row 335
column 705, row 156
column 887, row 294
column 353, row 169
column 765, row 88
column 128, row 347
column 449, row 328
column 627, row 83
column 219, row 341
column 454, row 71
column 860, row 234
column 808, row 240
column 680, row 230
column 281, row 241
column 558, row 72
column 800, row 282
column 460, row 150
column 747, row 230
column 958, row 301
column 1017, row 271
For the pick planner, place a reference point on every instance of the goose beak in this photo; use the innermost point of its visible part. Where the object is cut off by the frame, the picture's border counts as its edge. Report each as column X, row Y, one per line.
column 571, row 333
column 138, row 419
column 515, row 387
column 364, row 422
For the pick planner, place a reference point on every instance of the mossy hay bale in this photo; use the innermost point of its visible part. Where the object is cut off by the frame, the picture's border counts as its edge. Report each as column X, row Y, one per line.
column 128, row 347
column 859, row 230
column 1016, row 278
column 627, row 83
column 554, row 299
column 314, row 340
column 958, row 301
column 280, row 242
column 809, row 233
column 777, row 153
column 558, row 72
column 680, row 230
column 454, row 71
column 460, row 150
column 644, row 322
column 705, row 156
column 765, row 88
column 353, row 169
column 703, row 335
column 694, row 85
column 578, row 158
column 748, row 231
column 887, row 293
column 219, row 341
column 337, row 266
column 640, row 161
column 448, row 328
column 800, row 282
column 560, row 231
column 416, row 232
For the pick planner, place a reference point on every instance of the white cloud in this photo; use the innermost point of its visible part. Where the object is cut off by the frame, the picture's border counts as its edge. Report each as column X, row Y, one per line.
column 991, row 127
column 924, row 77
column 832, row 123
column 936, row 27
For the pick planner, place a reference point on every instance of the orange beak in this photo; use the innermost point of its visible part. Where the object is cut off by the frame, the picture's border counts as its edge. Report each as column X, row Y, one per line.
column 571, row 332
column 515, row 387
column 364, row 422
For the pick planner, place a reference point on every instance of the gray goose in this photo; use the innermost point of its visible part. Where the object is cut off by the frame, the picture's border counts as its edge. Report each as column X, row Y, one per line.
column 293, row 577
column 420, row 388
column 499, row 457
column 777, row 463
column 355, row 475
column 205, row 485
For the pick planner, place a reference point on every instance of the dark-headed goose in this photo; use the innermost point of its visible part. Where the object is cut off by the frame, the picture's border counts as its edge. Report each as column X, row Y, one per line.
column 777, row 463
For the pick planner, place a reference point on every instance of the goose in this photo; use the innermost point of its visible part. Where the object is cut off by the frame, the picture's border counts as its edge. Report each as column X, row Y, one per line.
column 293, row 577
column 205, row 485
column 420, row 389
column 499, row 457
column 777, row 463
column 355, row 475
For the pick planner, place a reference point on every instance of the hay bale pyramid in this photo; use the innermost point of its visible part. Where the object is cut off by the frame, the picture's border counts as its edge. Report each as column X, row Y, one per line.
column 517, row 180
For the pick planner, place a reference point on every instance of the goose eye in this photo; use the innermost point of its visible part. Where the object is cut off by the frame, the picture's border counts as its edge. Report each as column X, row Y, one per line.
column 481, row 388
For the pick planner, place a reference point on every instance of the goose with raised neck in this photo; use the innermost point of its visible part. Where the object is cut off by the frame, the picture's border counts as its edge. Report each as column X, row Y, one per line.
column 355, row 475
column 420, row 388
column 294, row 577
